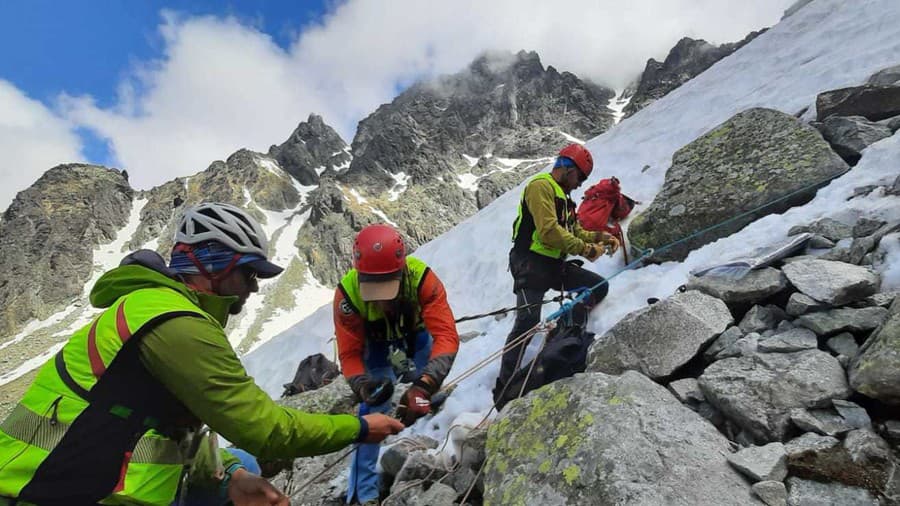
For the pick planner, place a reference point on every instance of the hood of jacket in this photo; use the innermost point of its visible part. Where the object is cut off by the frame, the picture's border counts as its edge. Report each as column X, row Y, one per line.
column 147, row 269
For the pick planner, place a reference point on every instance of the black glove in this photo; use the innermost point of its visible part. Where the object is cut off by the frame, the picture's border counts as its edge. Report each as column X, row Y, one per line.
column 375, row 392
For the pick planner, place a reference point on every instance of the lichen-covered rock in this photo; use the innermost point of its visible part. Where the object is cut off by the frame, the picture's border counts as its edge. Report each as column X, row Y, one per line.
column 660, row 338
column 599, row 439
column 875, row 372
column 750, row 289
column 48, row 235
column 753, row 158
column 759, row 391
column 835, row 283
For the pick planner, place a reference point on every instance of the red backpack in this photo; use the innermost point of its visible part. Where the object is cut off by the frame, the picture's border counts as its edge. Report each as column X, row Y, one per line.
column 602, row 208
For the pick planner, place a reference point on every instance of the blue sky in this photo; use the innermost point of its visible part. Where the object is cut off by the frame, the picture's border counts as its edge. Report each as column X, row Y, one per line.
column 165, row 88
column 84, row 48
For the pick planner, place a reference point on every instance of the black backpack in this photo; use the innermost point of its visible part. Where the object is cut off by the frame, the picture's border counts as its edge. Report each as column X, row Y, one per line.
column 314, row 371
column 564, row 355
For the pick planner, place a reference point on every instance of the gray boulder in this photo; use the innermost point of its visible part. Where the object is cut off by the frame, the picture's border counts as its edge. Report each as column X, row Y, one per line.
column 821, row 421
column 866, row 226
column 753, row 158
column 799, row 304
column 761, row 463
column 728, row 338
column 843, row 319
column 881, row 299
column 662, row 337
column 820, row 242
column 599, row 439
column 762, row 318
column 393, row 458
column 420, row 466
column 745, row 346
column 813, row 493
column 863, row 460
column 335, row 398
column 843, row 344
column 834, row 283
column 828, row 228
column 752, row 288
column 873, row 102
column 773, row 493
column 875, row 372
column 758, row 392
column 885, row 77
column 414, row 493
column 301, row 484
column 687, row 391
column 849, row 135
column 792, row 340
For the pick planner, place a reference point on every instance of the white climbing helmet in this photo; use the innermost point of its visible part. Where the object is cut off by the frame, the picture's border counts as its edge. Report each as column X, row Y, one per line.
column 225, row 223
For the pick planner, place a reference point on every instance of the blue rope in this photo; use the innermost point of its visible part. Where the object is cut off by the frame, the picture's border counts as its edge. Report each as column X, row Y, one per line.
column 586, row 292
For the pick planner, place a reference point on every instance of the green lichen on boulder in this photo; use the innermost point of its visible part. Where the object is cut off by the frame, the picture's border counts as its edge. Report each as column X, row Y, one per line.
column 757, row 156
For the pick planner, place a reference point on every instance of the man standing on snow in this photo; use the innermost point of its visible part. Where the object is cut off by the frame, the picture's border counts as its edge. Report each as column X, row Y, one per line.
column 544, row 233
column 110, row 417
column 390, row 301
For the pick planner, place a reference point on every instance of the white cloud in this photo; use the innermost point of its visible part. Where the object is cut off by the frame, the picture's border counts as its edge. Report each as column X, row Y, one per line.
column 32, row 139
column 222, row 85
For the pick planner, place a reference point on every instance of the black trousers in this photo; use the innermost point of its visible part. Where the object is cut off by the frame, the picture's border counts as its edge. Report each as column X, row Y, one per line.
column 533, row 276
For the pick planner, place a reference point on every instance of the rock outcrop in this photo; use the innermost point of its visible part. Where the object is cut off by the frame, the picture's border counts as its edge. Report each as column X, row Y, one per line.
column 600, row 439
column 48, row 236
column 688, row 59
column 752, row 159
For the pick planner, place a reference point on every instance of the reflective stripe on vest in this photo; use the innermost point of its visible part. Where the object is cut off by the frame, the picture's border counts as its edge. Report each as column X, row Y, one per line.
column 564, row 218
column 415, row 271
column 40, row 421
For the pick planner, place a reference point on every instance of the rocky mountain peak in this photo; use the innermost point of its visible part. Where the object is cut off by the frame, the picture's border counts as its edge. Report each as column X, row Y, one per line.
column 312, row 148
column 686, row 60
column 48, row 234
column 502, row 104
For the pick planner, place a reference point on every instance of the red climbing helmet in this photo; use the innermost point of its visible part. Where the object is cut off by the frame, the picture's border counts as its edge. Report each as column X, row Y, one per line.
column 580, row 156
column 379, row 256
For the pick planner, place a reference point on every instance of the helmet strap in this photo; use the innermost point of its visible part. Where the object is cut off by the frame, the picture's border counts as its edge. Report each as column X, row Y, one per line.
column 214, row 278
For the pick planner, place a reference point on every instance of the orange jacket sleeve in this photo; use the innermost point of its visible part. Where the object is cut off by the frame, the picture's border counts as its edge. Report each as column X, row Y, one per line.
column 350, row 335
column 439, row 321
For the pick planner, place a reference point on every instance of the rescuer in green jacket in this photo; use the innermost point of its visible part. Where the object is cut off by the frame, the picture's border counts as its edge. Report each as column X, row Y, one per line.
column 109, row 420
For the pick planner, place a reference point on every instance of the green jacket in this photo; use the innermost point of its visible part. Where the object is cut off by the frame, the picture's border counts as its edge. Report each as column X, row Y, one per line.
column 156, row 362
column 546, row 223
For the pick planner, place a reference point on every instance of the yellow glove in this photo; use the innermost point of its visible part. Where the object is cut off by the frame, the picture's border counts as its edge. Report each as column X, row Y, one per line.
column 609, row 242
column 612, row 245
column 592, row 251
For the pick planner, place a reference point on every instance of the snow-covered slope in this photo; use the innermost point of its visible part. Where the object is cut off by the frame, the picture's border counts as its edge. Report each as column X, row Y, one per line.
column 828, row 44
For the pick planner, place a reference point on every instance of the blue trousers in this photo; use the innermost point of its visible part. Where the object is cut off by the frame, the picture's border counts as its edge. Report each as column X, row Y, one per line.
column 363, row 483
